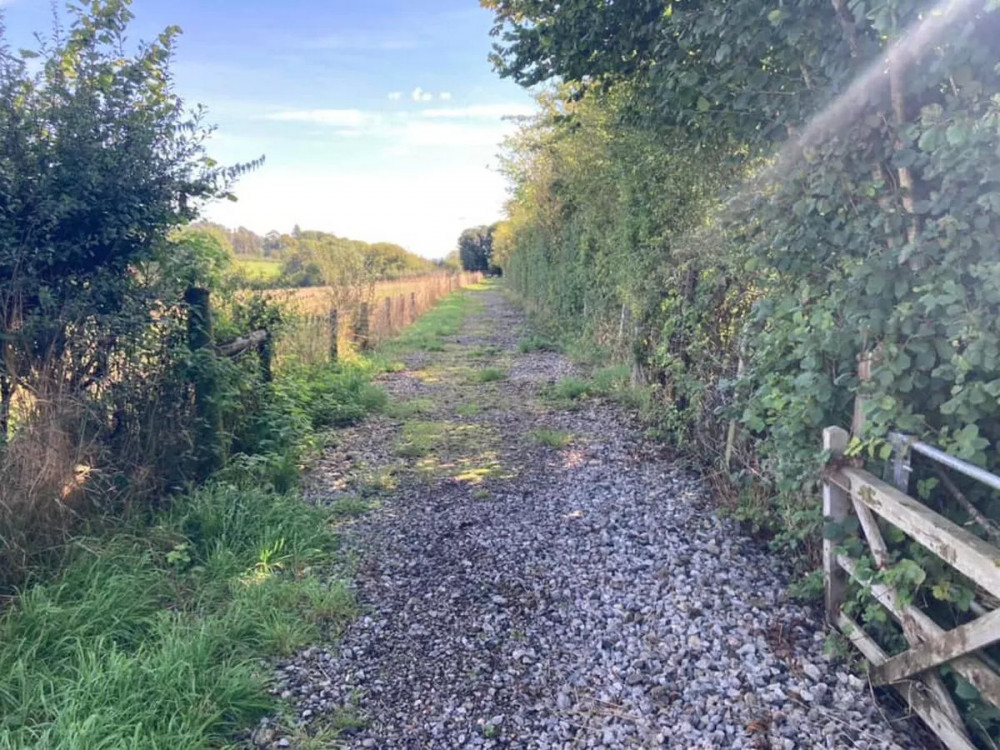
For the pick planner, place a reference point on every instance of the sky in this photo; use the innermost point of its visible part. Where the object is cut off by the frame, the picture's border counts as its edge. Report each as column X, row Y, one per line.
column 379, row 120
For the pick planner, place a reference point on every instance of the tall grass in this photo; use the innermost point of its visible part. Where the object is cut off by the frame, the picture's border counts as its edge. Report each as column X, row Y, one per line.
column 152, row 636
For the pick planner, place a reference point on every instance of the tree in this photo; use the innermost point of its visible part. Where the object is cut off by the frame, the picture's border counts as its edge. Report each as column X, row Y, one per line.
column 246, row 242
column 475, row 248
column 99, row 162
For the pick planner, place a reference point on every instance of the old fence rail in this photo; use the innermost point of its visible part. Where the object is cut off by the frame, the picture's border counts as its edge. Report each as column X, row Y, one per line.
column 848, row 491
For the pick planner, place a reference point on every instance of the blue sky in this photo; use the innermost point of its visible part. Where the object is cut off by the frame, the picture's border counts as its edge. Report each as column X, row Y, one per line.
column 379, row 119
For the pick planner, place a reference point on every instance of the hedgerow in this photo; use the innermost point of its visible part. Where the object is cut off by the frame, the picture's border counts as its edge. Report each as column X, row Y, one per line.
column 741, row 199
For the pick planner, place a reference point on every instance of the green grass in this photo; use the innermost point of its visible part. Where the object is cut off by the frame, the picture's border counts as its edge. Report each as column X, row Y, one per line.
column 570, row 388
column 429, row 331
column 552, row 438
column 612, row 381
column 152, row 636
column 468, row 409
column 152, row 631
column 607, row 380
column 410, row 408
column 259, row 268
column 421, row 438
column 488, row 375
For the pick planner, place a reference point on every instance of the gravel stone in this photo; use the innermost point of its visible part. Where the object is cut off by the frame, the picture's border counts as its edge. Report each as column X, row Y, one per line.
column 584, row 597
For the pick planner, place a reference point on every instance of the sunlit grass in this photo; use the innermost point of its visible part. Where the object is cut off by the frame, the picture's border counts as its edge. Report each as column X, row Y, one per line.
column 152, row 637
column 552, row 438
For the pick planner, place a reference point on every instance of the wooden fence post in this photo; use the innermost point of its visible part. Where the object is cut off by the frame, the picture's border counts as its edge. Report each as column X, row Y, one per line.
column 361, row 326
column 208, row 416
column 388, row 314
column 864, row 375
column 334, row 335
column 265, row 351
column 6, row 393
column 836, row 506
column 731, row 430
column 413, row 306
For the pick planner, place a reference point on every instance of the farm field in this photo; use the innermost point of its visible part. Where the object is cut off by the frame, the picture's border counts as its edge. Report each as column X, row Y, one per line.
column 259, row 268
column 318, row 300
column 392, row 305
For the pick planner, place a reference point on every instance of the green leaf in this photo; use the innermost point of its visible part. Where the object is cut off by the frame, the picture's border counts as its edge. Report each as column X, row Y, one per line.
column 965, row 689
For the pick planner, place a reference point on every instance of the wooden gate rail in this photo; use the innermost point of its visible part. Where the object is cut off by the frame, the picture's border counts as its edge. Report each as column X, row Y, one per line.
column 913, row 673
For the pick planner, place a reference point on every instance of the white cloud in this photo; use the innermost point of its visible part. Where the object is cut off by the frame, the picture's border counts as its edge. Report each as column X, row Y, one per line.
column 481, row 112
column 338, row 118
column 395, row 96
column 445, row 96
column 482, row 125
column 419, row 95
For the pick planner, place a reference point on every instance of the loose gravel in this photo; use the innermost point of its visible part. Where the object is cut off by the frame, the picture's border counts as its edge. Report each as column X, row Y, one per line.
column 578, row 597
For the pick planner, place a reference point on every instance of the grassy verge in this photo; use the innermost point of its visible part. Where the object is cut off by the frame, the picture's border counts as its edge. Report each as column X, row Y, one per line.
column 431, row 332
column 152, row 635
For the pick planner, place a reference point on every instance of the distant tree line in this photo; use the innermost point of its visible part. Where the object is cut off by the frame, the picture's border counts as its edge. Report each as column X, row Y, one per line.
column 313, row 258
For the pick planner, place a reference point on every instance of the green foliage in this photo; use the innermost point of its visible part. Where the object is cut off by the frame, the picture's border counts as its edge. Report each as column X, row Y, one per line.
column 569, row 388
column 153, row 639
column 317, row 258
column 552, row 438
column 475, row 249
column 260, row 269
column 100, row 161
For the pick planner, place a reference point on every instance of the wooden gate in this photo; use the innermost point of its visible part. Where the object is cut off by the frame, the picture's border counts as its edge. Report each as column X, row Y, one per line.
column 847, row 491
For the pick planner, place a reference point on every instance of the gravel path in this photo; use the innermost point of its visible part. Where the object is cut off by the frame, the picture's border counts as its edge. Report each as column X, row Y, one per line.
column 520, row 595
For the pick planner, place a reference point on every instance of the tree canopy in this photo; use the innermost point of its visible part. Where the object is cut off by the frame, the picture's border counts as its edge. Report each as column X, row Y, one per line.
column 475, row 249
column 99, row 161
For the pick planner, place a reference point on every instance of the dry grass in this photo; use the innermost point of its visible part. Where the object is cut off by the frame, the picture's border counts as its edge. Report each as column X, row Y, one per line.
column 44, row 470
